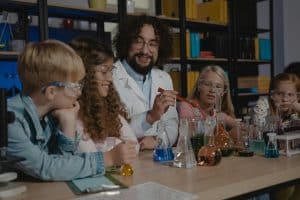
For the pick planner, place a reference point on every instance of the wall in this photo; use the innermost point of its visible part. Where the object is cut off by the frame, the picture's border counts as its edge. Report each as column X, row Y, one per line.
column 291, row 31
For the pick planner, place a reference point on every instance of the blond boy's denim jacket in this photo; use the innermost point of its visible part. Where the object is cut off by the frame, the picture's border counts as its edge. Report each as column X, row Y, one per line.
column 48, row 154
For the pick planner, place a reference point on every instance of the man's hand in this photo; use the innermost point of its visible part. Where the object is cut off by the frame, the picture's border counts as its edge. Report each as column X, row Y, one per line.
column 161, row 104
column 67, row 118
column 123, row 153
column 148, row 142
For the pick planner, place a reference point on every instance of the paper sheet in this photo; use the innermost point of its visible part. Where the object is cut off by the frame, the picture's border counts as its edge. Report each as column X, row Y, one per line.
column 145, row 191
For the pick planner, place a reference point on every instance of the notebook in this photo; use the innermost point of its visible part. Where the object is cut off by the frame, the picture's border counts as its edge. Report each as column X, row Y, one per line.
column 95, row 184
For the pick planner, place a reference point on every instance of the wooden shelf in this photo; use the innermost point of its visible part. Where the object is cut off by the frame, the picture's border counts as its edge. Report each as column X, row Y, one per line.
column 75, row 12
column 199, row 60
column 253, row 61
column 194, row 23
column 68, row 6
column 9, row 55
column 252, row 94
column 18, row 5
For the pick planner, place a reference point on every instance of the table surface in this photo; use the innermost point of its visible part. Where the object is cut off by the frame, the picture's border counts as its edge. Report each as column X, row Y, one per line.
column 232, row 177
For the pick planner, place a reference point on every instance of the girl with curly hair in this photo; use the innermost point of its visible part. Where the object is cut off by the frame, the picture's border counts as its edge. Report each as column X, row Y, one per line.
column 102, row 117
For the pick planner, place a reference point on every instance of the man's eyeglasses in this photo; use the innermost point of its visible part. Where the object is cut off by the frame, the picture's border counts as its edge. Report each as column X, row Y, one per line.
column 71, row 89
column 140, row 43
column 211, row 85
column 104, row 68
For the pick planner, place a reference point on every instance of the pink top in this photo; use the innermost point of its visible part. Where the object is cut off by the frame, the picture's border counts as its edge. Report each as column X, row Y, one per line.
column 188, row 111
column 86, row 144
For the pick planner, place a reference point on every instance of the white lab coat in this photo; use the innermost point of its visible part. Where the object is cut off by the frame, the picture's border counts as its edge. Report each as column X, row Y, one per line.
column 136, row 103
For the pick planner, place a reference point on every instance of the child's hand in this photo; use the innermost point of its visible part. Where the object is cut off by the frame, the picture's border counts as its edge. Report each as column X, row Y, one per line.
column 123, row 153
column 148, row 142
column 296, row 106
column 67, row 118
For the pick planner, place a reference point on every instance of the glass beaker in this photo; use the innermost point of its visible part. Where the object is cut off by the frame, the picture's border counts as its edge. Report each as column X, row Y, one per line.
column 257, row 143
column 196, row 133
column 184, row 155
column 209, row 154
column 163, row 151
column 271, row 150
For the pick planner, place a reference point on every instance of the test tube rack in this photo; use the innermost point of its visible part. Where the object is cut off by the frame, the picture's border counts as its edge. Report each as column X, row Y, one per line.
column 289, row 139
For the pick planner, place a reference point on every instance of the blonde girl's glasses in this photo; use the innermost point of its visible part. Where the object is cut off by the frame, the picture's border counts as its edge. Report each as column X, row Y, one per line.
column 210, row 85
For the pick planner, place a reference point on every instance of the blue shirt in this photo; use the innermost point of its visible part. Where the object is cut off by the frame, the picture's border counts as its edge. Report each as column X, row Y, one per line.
column 144, row 82
column 48, row 154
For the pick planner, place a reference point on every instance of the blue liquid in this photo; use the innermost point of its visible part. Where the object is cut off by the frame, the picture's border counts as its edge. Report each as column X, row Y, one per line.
column 257, row 146
column 161, row 155
column 271, row 153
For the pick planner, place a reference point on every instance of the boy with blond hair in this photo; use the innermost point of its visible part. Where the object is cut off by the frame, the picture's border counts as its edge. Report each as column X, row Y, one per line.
column 44, row 132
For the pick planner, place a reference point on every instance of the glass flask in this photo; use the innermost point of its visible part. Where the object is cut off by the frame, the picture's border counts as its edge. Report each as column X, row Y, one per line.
column 126, row 170
column 271, row 150
column 245, row 137
column 209, row 154
column 184, row 155
column 222, row 138
column 163, row 151
column 238, row 140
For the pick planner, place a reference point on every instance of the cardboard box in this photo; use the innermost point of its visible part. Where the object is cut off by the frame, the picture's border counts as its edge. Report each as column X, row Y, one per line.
column 262, row 83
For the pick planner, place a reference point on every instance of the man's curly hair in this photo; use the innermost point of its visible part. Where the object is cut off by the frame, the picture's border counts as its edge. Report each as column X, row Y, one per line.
column 130, row 29
column 100, row 115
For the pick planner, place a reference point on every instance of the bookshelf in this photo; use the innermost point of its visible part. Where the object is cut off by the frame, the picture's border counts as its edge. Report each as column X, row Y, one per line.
column 239, row 25
column 255, row 63
column 235, row 65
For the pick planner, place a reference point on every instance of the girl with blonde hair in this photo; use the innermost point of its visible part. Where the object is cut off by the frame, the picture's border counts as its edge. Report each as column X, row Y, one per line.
column 211, row 79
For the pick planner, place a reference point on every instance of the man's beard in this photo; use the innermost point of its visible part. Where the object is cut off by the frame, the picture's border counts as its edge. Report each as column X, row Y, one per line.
column 137, row 67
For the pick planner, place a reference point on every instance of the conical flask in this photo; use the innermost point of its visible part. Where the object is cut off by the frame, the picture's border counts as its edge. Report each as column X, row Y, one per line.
column 163, row 150
column 271, row 150
column 184, row 155
column 209, row 154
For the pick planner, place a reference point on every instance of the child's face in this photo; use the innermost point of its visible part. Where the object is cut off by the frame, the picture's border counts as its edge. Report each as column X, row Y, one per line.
column 103, row 76
column 207, row 87
column 67, row 94
column 284, row 95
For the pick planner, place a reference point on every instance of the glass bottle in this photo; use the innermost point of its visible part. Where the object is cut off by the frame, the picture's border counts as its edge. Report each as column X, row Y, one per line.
column 222, row 138
column 271, row 150
column 184, row 155
column 238, row 141
column 130, row 6
column 258, row 144
column 163, row 150
column 209, row 154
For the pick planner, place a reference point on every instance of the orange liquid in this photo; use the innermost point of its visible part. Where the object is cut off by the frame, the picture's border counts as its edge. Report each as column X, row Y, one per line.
column 126, row 170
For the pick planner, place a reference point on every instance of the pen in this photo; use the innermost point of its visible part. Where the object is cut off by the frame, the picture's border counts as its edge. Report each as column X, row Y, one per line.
column 101, row 188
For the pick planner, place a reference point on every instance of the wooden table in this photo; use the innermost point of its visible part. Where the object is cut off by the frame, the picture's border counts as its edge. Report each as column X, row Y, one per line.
column 233, row 177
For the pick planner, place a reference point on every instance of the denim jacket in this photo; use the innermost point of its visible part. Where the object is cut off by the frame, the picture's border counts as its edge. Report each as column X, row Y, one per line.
column 48, row 154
